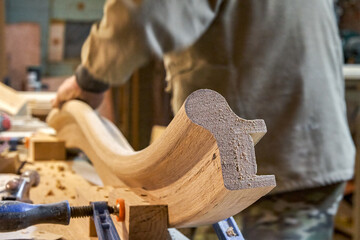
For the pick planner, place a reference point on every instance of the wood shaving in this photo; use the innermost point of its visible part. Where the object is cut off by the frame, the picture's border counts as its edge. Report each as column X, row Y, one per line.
column 50, row 193
column 59, row 185
column 61, row 168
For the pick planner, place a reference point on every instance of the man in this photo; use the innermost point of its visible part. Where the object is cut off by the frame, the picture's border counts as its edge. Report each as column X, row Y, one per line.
column 277, row 60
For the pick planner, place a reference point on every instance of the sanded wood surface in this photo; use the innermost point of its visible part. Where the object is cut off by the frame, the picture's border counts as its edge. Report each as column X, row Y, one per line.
column 203, row 166
column 58, row 182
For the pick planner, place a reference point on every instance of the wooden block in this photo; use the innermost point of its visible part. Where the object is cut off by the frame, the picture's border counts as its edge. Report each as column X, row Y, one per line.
column 46, row 148
column 9, row 161
column 145, row 217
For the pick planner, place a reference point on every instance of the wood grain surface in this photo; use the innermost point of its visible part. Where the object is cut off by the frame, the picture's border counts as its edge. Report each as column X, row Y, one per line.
column 203, row 166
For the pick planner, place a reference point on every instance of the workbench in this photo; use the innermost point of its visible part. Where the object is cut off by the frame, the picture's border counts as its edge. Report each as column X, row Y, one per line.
column 58, row 182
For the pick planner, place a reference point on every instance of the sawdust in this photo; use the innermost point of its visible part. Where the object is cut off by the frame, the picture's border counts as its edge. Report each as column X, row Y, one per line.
column 59, row 185
column 61, row 168
column 50, row 193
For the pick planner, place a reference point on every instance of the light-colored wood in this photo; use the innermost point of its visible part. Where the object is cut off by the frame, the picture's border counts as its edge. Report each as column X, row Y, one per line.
column 146, row 216
column 38, row 103
column 45, row 147
column 11, row 102
column 9, row 162
column 58, row 183
column 156, row 132
column 203, row 166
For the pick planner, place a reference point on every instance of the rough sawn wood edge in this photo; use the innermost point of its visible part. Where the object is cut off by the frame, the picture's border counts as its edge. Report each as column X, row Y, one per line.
column 203, row 166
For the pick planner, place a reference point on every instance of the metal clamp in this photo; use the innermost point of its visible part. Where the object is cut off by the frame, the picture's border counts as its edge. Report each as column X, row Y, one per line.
column 104, row 225
column 228, row 230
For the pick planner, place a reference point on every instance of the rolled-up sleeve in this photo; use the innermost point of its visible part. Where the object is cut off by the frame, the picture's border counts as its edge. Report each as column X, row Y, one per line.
column 131, row 31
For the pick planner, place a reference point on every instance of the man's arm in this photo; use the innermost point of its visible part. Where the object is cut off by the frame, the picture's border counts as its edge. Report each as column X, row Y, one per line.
column 130, row 32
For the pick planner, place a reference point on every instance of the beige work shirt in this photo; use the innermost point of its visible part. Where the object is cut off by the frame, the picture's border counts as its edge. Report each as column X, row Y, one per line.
column 278, row 60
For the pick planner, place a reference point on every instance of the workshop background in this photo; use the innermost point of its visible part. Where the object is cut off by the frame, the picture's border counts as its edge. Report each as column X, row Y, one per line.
column 42, row 39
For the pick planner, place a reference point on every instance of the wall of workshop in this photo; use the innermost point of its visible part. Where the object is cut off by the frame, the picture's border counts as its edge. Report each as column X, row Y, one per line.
column 47, row 14
column 3, row 65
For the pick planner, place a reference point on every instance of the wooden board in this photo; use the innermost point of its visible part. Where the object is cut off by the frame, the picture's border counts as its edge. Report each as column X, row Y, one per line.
column 203, row 166
column 10, row 101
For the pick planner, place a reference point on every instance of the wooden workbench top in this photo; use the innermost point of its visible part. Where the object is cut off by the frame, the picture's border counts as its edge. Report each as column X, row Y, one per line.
column 58, row 182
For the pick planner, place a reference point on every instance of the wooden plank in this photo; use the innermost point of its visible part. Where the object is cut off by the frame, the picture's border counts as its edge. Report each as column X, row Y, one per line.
column 11, row 102
column 203, row 166
column 38, row 103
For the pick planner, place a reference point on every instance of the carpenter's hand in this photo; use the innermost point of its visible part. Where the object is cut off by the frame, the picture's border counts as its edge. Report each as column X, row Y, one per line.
column 69, row 89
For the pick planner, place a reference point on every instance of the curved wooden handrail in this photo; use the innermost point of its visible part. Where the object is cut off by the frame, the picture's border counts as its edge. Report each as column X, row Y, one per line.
column 203, row 166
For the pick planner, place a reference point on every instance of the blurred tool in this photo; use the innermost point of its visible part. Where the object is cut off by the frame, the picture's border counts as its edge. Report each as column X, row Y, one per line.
column 17, row 215
column 19, row 188
column 5, row 122
column 11, row 143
